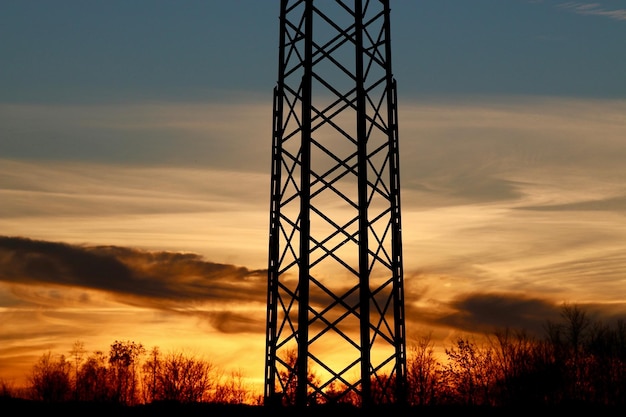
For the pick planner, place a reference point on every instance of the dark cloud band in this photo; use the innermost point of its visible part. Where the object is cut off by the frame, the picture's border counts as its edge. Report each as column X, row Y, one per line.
column 127, row 272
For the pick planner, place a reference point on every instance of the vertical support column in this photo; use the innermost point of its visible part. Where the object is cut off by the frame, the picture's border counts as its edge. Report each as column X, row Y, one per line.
column 361, row 137
column 305, row 209
column 274, row 229
column 396, row 229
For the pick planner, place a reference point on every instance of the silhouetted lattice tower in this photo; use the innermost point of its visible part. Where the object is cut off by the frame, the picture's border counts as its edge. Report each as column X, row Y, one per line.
column 335, row 310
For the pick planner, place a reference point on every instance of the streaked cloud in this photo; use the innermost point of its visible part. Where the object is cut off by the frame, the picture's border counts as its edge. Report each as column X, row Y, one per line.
column 142, row 278
column 150, row 207
column 487, row 312
column 487, row 151
column 64, row 278
column 511, row 206
column 176, row 134
column 594, row 9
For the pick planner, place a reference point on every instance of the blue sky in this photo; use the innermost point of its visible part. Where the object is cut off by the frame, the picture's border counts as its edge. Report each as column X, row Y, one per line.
column 102, row 51
column 133, row 131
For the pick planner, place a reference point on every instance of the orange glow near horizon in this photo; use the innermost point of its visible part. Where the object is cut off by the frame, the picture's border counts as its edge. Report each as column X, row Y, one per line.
column 521, row 202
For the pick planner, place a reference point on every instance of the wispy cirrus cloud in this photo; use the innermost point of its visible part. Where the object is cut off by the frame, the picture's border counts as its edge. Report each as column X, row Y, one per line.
column 594, row 9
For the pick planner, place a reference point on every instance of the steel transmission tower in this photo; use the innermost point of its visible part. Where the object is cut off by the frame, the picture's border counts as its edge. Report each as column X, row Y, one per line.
column 335, row 310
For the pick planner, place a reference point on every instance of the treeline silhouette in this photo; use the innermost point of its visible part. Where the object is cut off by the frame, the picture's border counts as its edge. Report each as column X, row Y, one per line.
column 130, row 375
column 578, row 362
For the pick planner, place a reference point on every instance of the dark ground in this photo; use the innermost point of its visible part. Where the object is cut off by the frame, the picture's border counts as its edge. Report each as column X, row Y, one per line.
column 11, row 407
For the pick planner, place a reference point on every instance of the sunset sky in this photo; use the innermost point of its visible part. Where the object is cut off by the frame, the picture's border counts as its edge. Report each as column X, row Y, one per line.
column 135, row 141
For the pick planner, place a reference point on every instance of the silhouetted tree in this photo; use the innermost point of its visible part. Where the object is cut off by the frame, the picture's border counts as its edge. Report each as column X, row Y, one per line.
column 152, row 373
column 423, row 372
column 7, row 390
column 50, row 378
column 469, row 375
column 77, row 352
column 523, row 365
column 289, row 379
column 338, row 393
column 93, row 380
column 123, row 358
column 604, row 364
column 619, row 338
column 232, row 389
column 568, row 339
column 177, row 377
column 384, row 389
column 185, row 378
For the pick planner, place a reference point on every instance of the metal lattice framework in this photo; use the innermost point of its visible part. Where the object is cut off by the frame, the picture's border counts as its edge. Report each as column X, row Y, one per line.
column 335, row 313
